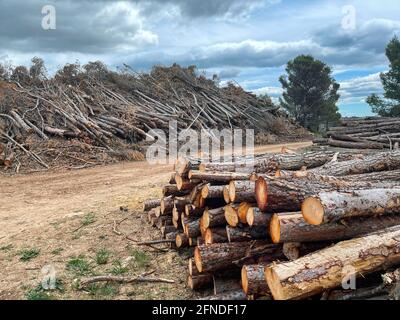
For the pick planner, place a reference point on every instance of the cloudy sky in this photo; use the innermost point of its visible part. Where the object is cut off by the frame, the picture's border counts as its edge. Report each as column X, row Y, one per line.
column 248, row 41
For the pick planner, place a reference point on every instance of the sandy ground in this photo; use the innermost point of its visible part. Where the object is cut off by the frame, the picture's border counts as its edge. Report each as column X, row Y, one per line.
column 65, row 220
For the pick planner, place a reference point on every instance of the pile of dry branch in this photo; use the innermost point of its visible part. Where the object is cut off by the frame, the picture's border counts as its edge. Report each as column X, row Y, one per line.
column 296, row 226
column 365, row 133
column 81, row 118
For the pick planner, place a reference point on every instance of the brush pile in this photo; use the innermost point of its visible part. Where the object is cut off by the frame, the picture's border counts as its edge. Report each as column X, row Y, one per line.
column 288, row 225
column 364, row 133
column 91, row 115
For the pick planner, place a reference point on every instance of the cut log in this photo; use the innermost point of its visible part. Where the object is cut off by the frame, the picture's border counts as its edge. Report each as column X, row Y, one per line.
column 151, row 216
column 151, row 203
column 357, row 145
column 231, row 215
column 333, row 206
column 166, row 205
column 242, row 211
column 167, row 229
column 371, row 163
column 242, row 191
column 181, row 240
column 215, row 235
column 240, row 234
column 253, row 280
column 172, row 190
column 184, row 184
column 326, row 268
column 256, row 218
column 226, row 194
column 192, row 227
column 214, row 217
column 200, row 281
column 220, row 256
column 291, row 227
column 220, row 176
column 171, row 236
column 192, row 211
column 283, row 195
column 209, row 191
column 9, row 159
column 183, row 166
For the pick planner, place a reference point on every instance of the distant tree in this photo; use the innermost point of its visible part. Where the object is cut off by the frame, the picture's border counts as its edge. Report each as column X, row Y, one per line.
column 20, row 74
column 37, row 71
column 310, row 93
column 389, row 105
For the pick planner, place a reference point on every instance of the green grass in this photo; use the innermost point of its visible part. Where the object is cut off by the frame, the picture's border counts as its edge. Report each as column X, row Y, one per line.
column 38, row 293
column 79, row 265
column 28, row 254
column 102, row 290
column 142, row 260
column 118, row 268
column 57, row 251
column 89, row 218
column 102, row 256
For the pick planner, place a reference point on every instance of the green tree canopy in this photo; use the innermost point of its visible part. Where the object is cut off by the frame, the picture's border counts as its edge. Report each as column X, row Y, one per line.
column 389, row 105
column 310, row 92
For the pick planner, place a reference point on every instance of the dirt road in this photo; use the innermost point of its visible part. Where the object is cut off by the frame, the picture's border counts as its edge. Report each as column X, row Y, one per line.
column 67, row 212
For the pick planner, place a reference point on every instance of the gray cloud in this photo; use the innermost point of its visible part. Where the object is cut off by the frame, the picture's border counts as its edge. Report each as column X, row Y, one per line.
column 82, row 26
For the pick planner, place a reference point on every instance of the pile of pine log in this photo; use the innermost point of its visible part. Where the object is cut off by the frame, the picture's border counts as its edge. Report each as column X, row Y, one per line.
column 364, row 133
column 290, row 226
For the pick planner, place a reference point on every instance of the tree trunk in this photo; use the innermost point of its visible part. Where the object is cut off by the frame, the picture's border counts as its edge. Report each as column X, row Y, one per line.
column 214, row 217
column 371, row 163
column 326, row 268
column 333, row 206
column 220, row 176
column 246, row 234
column 291, row 227
column 200, row 281
column 220, row 256
column 253, row 280
column 357, row 145
column 191, row 227
column 283, row 195
column 256, row 218
column 242, row 191
column 215, row 235
column 151, row 203
column 209, row 192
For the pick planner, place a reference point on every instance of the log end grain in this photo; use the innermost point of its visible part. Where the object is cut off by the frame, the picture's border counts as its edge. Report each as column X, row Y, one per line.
column 242, row 211
column 231, row 216
column 197, row 259
column 261, row 191
column 232, row 191
column 312, row 211
column 205, row 191
column 226, row 194
column 274, row 283
column 275, row 229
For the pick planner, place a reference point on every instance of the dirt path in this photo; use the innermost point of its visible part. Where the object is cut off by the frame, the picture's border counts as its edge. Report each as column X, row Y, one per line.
column 43, row 211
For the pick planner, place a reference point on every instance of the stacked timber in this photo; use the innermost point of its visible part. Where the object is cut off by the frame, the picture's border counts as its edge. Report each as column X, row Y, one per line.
column 364, row 133
column 293, row 227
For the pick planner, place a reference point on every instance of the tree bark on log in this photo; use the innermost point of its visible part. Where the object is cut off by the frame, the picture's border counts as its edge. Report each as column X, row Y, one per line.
column 151, row 203
column 220, row 176
column 215, row 235
column 209, row 192
column 242, row 191
column 371, row 163
column 236, row 295
column 333, row 206
column 246, row 234
column 291, row 227
column 256, row 218
column 324, row 269
column 282, row 195
column 214, row 217
column 192, row 228
column 357, row 145
column 220, row 256
column 200, row 281
column 253, row 280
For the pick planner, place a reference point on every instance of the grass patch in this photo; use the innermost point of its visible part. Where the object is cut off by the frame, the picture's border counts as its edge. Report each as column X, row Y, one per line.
column 142, row 260
column 89, row 218
column 57, row 251
column 102, row 290
column 102, row 256
column 6, row 248
column 28, row 254
column 118, row 268
column 79, row 265
column 39, row 293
